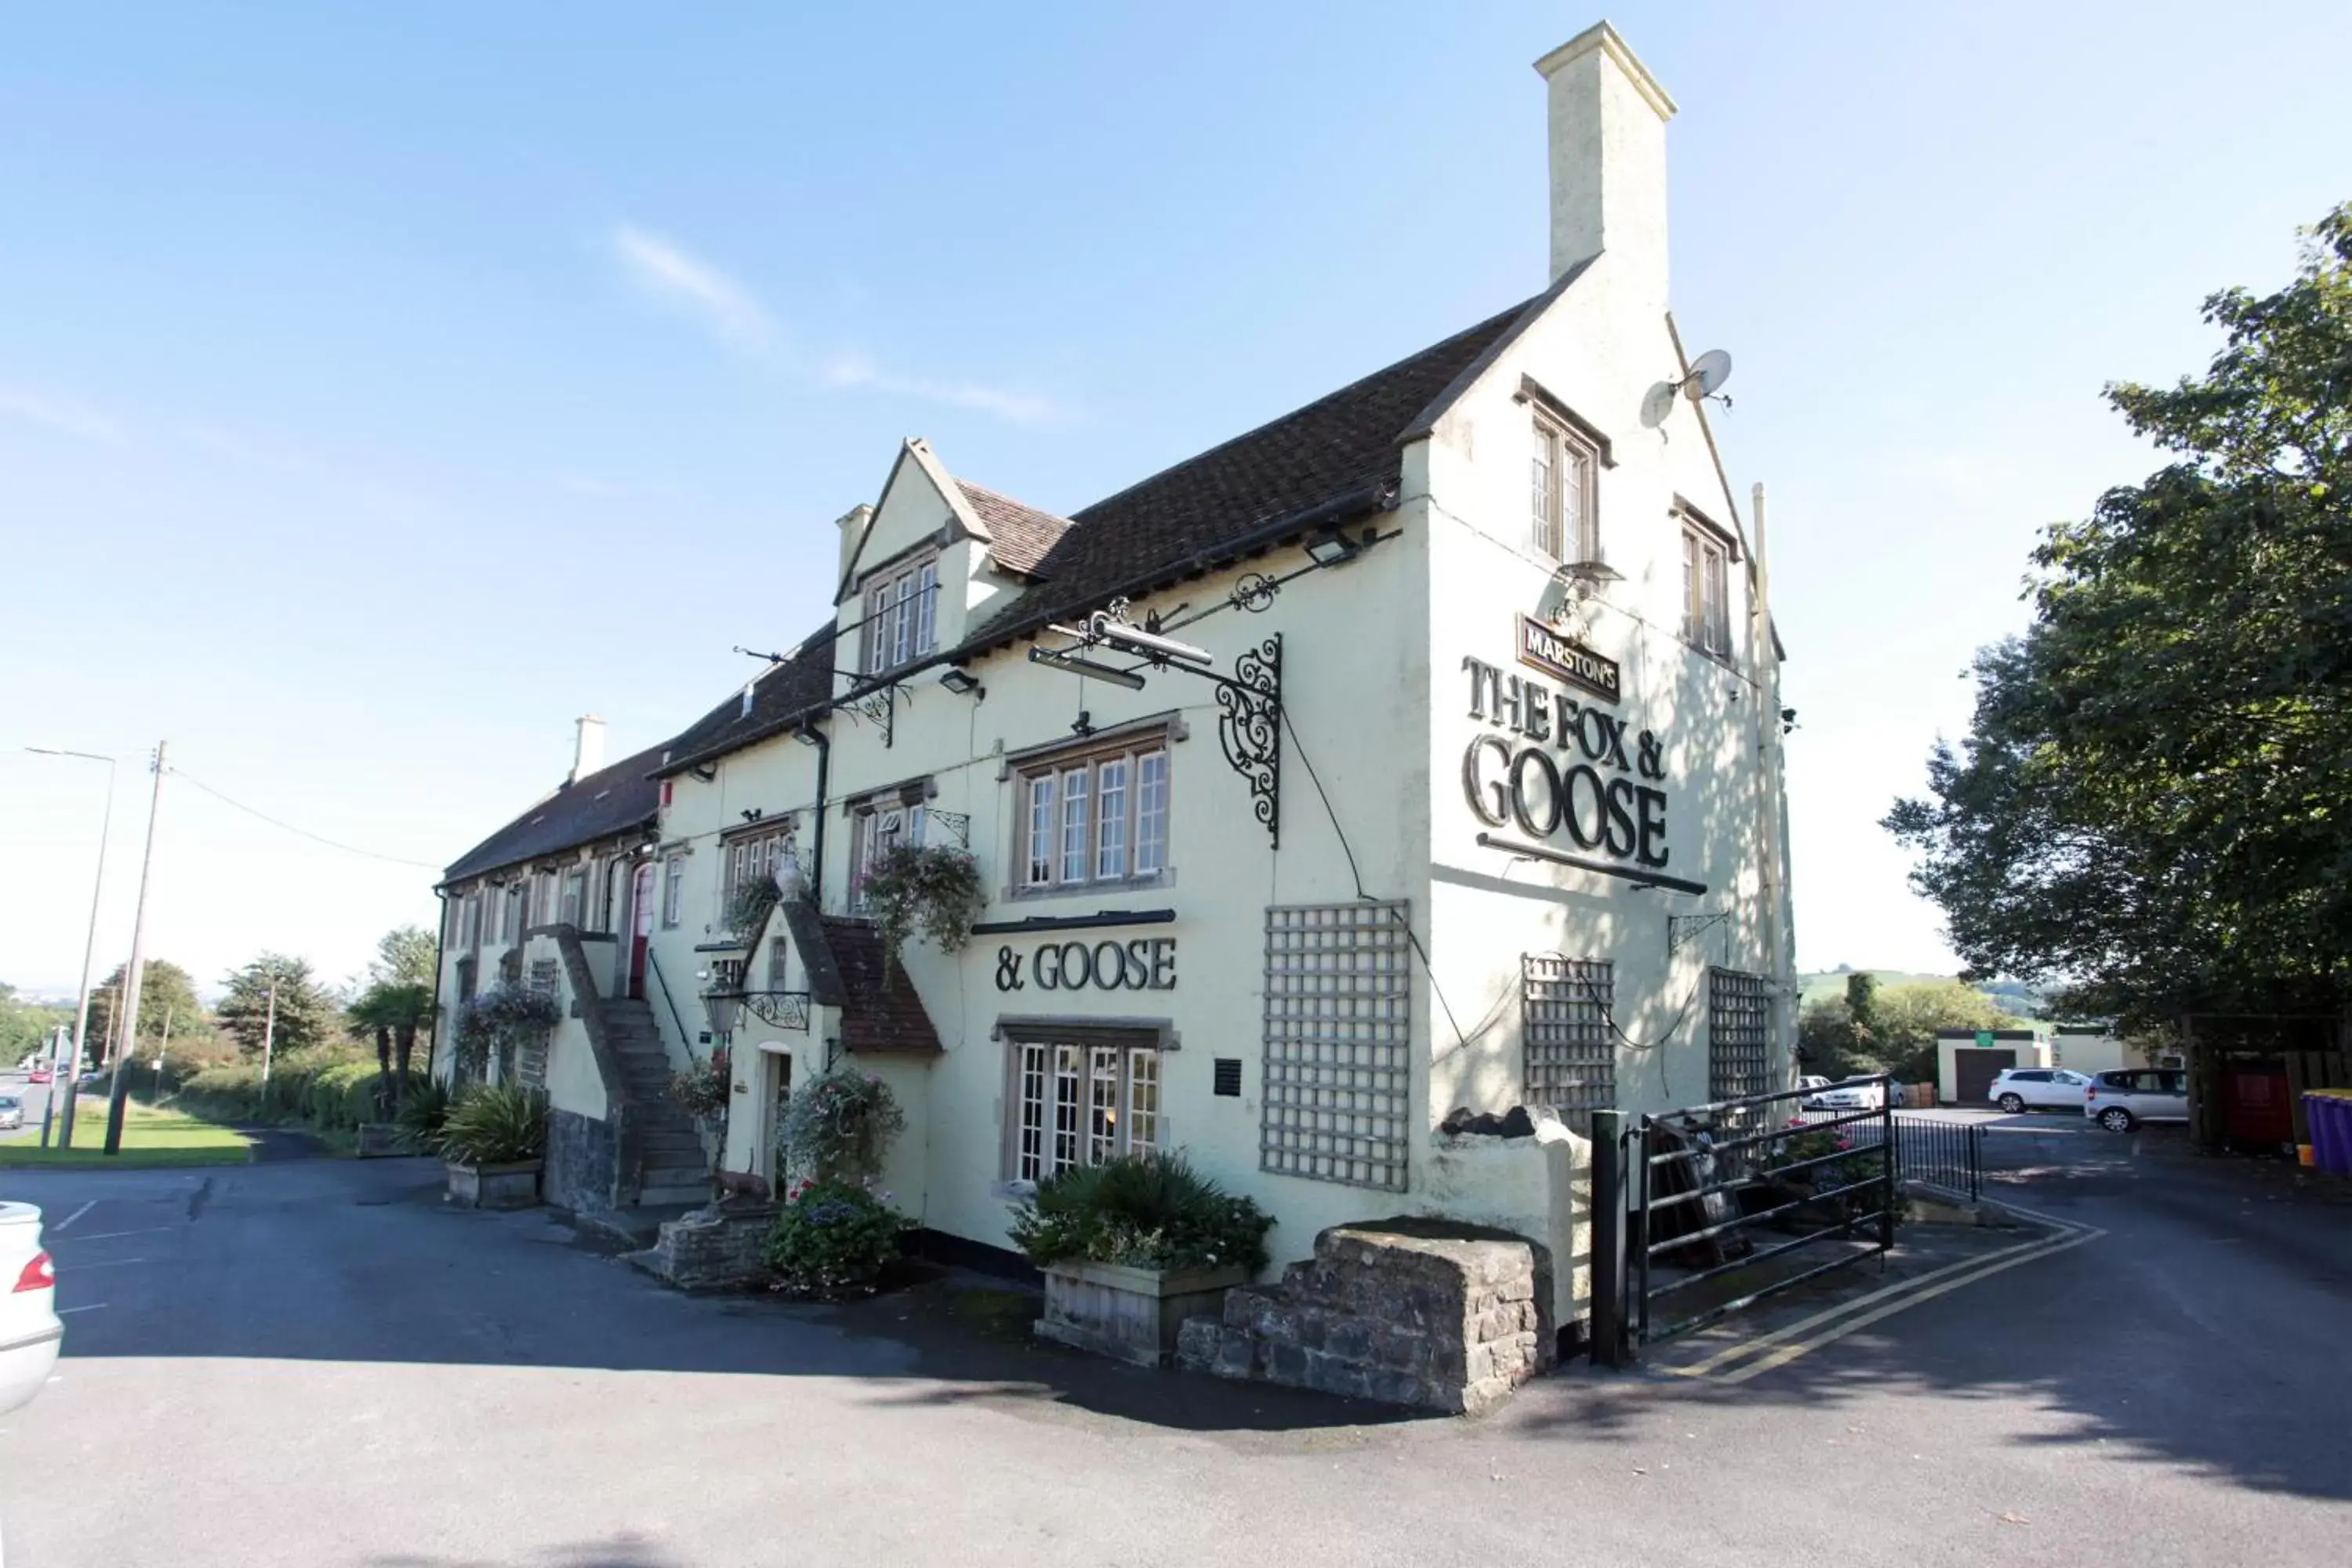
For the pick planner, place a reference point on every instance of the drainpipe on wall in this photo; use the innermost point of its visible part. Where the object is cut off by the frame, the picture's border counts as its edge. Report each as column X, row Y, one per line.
column 1767, row 666
column 433, row 1049
column 817, row 839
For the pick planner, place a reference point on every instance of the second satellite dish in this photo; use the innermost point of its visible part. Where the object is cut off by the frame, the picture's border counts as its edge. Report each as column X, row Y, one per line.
column 1657, row 404
column 1709, row 372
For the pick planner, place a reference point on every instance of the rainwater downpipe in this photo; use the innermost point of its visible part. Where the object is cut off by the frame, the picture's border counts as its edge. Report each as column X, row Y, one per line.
column 816, row 846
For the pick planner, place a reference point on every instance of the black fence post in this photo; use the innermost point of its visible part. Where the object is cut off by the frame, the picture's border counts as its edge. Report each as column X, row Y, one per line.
column 1889, row 1157
column 1609, row 1347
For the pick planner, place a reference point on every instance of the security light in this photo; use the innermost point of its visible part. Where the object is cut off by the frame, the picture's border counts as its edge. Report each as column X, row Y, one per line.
column 1333, row 548
column 963, row 682
column 1055, row 659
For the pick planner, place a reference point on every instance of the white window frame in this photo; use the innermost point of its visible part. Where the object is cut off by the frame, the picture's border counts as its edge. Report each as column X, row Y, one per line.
column 756, row 854
column 881, row 826
column 1087, row 847
column 1706, row 592
column 673, row 891
column 1564, row 492
column 571, row 897
column 1081, row 1102
column 901, row 615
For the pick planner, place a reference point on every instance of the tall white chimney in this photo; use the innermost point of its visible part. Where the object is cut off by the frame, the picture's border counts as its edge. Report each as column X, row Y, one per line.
column 588, row 748
column 1608, row 161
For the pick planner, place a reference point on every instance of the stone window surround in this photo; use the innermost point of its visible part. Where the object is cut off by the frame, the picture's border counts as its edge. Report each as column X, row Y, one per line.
column 1568, row 433
column 1013, row 1031
column 907, row 564
column 1015, row 767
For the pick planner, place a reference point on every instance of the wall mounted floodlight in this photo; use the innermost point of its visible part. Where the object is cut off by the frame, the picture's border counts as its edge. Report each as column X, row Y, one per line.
column 1586, row 578
column 1070, row 664
column 1332, row 549
column 963, row 682
column 808, row 737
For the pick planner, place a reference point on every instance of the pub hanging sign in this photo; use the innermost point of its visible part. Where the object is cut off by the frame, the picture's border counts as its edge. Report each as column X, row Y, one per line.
column 1565, row 658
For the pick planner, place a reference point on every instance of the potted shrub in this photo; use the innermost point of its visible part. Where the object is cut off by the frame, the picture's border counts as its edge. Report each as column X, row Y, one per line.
column 493, row 1142
column 1133, row 1247
column 833, row 1238
column 702, row 1091
column 837, row 1127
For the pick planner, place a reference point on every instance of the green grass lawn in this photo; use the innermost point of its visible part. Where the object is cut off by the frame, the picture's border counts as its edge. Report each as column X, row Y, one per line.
column 150, row 1137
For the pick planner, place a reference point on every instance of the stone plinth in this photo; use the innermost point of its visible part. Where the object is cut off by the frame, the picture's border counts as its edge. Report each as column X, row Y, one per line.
column 722, row 1248
column 1425, row 1313
column 510, row 1186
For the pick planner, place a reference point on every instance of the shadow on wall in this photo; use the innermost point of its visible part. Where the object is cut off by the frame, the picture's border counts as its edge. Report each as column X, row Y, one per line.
column 621, row 1551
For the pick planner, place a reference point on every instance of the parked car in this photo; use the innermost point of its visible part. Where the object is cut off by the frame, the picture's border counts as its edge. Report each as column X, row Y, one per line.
column 1813, row 1083
column 30, row 1330
column 12, row 1112
column 2039, row 1088
column 2121, row 1100
column 1851, row 1094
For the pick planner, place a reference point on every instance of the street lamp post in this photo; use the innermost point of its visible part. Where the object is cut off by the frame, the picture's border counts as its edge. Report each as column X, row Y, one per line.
column 89, row 946
column 135, row 976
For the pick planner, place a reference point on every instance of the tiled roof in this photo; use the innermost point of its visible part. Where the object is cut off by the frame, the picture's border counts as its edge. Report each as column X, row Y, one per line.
column 1021, row 533
column 779, row 694
column 609, row 801
column 1324, row 457
column 880, row 1013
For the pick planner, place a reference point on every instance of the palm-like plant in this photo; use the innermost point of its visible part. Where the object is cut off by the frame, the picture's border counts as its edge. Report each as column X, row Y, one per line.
column 392, row 1014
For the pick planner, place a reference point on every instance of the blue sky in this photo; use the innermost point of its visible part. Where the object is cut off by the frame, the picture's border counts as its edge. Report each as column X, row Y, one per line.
column 358, row 364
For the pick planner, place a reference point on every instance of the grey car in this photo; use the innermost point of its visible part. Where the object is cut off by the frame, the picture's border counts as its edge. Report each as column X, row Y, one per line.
column 12, row 1112
column 2122, row 1098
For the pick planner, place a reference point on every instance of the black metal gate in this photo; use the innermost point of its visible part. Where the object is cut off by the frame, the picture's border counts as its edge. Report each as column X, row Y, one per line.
column 1680, row 1199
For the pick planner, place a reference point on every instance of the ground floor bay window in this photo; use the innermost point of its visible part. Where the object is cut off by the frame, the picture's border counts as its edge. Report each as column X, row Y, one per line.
column 1081, row 1096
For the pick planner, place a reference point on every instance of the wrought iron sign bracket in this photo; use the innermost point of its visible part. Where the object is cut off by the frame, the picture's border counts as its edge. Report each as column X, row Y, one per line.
column 1681, row 928
column 954, row 821
column 1250, row 727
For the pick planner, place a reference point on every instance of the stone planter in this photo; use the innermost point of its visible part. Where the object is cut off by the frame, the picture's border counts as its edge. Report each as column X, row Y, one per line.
column 509, row 1186
column 1130, row 1314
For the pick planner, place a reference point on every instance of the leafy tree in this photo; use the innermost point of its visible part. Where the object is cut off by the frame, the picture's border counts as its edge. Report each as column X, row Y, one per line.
column 307, row 1011
column 1899, row 1033
column 2150, row 806
column 404, row 955
column 1861, row 1009
column 166, row 992
column 25, row 1025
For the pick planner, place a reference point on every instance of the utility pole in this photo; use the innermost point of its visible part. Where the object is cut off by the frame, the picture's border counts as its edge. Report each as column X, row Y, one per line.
column 119, row 1087
column 268, row 1034
column 160, row 1046
column 56, row 1047
column 88, row 946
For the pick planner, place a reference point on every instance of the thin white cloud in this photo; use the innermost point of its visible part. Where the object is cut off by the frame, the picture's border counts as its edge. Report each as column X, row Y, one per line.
column 587, row 485
column 670, row 273
column 1013, row 407
column 62, row 415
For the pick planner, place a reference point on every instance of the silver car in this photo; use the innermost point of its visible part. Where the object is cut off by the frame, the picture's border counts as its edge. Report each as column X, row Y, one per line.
column 2039, row 1088
column 12, row 1113
column 2121, row 1100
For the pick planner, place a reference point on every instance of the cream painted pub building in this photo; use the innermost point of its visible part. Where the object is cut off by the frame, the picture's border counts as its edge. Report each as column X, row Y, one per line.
column 1419, row 749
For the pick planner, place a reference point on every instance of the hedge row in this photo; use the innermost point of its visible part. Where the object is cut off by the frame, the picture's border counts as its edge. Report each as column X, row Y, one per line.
column 332, row 1093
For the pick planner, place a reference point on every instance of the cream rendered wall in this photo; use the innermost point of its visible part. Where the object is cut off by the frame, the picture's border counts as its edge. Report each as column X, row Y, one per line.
column 1600, row 356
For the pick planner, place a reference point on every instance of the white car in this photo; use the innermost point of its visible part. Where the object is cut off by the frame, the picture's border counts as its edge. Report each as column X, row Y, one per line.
column 30, row 1330
column 1852, row 1094
column 2016, row 1090
column 1813, row 1083
column 2122, row 1099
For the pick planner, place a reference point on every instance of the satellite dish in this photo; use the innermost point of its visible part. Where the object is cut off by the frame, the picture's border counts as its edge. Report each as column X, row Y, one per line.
column 1709, row 371
column 1657, row 404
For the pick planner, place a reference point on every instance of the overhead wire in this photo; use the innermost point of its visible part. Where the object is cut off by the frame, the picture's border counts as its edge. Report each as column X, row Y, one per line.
column 298, row 832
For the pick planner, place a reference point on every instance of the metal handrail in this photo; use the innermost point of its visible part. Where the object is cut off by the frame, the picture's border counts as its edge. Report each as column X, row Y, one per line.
column 653, row 962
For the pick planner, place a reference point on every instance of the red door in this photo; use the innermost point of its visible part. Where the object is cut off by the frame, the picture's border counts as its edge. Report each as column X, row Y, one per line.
column 641, row 926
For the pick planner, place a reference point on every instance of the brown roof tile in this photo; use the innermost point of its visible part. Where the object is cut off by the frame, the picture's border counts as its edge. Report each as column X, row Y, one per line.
column 880, row 1013
column 1023, row 534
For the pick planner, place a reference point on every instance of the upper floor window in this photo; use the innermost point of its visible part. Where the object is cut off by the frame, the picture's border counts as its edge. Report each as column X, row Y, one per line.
column 673, row 891
column 876, row 832
column 1564, row 500
column 1706, row 592
column 1094, row 815
column 514, row 910
column 574, row 898
column 760, row 853
column 902, row 616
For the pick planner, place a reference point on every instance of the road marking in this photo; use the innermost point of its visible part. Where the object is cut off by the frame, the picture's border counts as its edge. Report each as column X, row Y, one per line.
column 109, row 1263
column 117, row 1235
column 1995, row 1265
column 93, row 1306
column 73, row 1217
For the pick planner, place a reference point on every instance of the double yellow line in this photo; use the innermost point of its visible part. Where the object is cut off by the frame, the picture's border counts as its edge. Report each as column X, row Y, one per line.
column 1785, row 1344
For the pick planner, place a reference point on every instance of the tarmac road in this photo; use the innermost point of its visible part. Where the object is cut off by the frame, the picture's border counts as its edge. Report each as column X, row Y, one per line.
column 311, row 1364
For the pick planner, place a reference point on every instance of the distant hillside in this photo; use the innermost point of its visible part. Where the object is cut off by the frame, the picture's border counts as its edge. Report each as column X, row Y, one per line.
column 2016, row 996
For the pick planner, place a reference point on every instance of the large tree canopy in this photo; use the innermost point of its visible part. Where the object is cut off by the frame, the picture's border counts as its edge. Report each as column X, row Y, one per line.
column 306, row 1013
column 166, row 995
column 2152, row 805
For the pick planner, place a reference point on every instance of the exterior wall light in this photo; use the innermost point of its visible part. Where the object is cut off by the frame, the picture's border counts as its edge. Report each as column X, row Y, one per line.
column 1586, row 578
column 963, row 682
column 1333, row 548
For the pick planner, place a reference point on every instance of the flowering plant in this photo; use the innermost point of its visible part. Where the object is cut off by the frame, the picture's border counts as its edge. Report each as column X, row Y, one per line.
column 833, row 1238
column 501, row 1018
column 839, row 1126
column 701, row 1090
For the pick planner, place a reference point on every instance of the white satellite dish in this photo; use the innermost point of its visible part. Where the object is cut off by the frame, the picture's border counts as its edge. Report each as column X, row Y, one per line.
column 1709, row 372
column 1658, row 405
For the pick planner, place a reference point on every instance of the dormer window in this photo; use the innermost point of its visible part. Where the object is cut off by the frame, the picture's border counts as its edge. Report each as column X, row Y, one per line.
column 902, row 616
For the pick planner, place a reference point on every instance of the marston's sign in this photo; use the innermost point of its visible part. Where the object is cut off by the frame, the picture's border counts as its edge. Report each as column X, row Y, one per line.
column 1541, row 648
